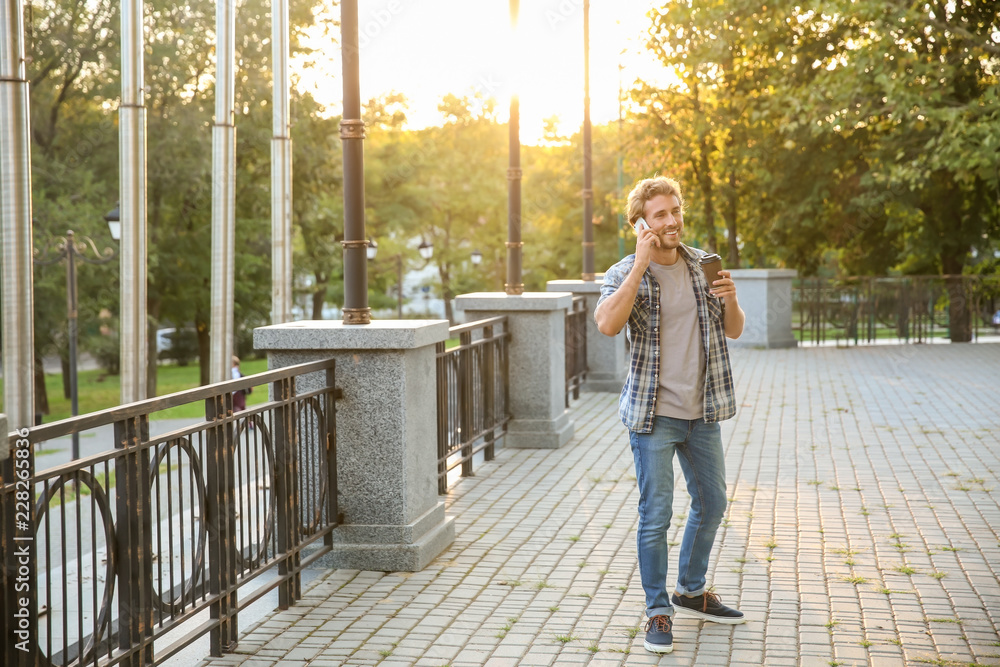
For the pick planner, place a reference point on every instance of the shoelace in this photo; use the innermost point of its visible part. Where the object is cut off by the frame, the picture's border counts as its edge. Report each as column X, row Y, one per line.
column 660, row 623
column 710, row 597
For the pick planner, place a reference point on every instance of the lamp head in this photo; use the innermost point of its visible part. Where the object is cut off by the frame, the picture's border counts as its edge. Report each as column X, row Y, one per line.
column 113, row 218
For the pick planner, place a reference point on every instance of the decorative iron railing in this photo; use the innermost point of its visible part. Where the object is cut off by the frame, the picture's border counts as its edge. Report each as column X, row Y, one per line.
column 907, row 308
column 126, row 556
column 576, row 347
column 473, row 392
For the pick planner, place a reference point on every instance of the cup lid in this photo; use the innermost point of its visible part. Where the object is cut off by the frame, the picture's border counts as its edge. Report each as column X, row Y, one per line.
column 709, row 258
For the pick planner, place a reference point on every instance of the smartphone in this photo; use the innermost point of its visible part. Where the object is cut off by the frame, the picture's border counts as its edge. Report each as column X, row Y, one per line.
column 641, row 224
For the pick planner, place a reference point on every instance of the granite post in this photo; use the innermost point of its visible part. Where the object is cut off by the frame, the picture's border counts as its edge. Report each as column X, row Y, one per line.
column 765, row 296
column 537, row 322
column 392, row 516
column 607, row 364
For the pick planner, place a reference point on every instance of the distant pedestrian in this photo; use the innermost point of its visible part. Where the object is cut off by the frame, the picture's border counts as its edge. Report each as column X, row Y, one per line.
column 239, row 397
column 996, row 320
column 679, row 386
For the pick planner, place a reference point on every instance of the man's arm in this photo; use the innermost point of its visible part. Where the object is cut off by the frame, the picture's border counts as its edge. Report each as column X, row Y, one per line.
column 612, row 313
column 734, row 317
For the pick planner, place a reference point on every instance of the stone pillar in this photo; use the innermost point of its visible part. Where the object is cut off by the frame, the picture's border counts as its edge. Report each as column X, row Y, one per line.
column 537, row 323
column 766, row 297
column 393, row 518
column 607, row 364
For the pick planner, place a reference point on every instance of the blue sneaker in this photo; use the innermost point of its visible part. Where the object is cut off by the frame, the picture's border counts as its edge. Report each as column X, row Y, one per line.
column 708, row 607
column 659, row 635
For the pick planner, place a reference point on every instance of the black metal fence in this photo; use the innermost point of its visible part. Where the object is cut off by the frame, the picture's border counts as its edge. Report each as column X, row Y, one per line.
column 576, row 347
column 473, row 392
column 128, row 555
column 907, row 308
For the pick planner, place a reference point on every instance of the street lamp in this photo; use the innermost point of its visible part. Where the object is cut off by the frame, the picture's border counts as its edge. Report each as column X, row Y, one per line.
column 426, row 249
column 71, row 249
column 477, row 257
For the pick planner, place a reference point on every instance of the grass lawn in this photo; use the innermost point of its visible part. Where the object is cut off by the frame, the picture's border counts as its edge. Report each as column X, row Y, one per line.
column 98, row 391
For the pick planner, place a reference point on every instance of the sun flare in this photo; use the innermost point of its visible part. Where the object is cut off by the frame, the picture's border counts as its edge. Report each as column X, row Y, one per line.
column 436, row 47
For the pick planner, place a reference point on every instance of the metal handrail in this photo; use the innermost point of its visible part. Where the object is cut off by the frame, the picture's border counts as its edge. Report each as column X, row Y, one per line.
column 576, row 347
column 473, row 391
column 906, row 308
column 130, row 546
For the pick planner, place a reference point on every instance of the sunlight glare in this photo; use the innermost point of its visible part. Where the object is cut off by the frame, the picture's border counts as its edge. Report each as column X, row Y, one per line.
column 429, row 49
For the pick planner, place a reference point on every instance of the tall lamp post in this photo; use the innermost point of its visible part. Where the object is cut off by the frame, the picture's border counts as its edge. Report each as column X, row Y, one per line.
column 71, row 249
column 588, row 186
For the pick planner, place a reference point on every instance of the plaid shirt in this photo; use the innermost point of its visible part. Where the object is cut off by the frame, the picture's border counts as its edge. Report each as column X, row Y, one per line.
column 637, row 403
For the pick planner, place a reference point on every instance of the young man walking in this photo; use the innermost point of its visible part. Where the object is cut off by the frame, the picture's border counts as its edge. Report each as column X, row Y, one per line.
column 679, row 386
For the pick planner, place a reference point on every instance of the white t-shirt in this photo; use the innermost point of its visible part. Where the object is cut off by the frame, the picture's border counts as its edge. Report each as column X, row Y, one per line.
column 681, row 392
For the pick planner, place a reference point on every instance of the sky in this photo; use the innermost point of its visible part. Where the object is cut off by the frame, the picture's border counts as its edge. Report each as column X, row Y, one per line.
column 428, row 48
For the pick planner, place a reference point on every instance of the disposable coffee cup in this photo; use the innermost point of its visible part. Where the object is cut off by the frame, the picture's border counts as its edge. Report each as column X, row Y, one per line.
column 711, row 265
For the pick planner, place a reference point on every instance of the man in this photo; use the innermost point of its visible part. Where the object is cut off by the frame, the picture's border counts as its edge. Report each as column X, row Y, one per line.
column 679, row 386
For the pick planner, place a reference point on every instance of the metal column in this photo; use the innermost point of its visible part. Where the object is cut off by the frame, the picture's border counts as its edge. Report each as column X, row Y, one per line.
column 15, row 221
column 352, row 134
column 223, row 194
column 588, row 189
column 281, row 171
column 514, row 244
column 132, row 141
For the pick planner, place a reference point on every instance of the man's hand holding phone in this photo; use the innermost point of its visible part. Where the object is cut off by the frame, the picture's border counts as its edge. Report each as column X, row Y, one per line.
column 645, row 241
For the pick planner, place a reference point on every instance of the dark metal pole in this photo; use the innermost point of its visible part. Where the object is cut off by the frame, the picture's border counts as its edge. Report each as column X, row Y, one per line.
column 514, row 244
column 588, row 191
column 71, row 316
column 352, row 134
column 399, row 286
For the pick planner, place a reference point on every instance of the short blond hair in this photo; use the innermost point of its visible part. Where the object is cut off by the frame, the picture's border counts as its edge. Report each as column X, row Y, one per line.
column 645, row 190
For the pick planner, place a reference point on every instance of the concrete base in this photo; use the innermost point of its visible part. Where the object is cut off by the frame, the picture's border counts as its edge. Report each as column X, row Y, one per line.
column 393, row 518
column 538, row 433
column 766, row 297
column 607, row 363
column 406, row 548
column 537, row 322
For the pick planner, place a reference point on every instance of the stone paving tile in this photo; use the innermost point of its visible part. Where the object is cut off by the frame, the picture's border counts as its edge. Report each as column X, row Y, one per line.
column 862, row 529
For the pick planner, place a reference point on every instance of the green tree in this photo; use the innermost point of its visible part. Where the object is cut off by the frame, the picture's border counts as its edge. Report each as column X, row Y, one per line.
column 462, row 181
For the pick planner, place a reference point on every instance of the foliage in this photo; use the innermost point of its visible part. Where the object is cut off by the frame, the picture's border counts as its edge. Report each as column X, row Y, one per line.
column 859, row 134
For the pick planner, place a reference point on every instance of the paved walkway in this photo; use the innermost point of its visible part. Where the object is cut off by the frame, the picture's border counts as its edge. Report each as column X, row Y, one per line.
column 862, row 530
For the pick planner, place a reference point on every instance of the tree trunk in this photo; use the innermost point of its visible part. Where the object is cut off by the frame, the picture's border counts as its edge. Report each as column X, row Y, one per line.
column 67, row 390
column 204, row 349
column 730, row 215
column 959, row 313
column 703, row 174
column 152, row 364
column 41, row 393
column 446, row 291
column 319, row 296
column 705, row 182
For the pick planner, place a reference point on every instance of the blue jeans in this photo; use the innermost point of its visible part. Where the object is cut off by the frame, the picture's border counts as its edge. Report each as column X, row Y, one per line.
column 699, row 448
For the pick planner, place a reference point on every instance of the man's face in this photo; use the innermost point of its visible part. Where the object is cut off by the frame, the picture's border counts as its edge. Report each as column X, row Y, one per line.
column 665, row 219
